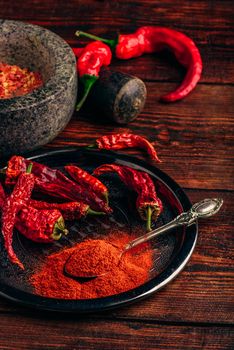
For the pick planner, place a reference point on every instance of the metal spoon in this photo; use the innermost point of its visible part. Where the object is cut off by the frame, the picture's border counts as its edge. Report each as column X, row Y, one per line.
column 203, row 209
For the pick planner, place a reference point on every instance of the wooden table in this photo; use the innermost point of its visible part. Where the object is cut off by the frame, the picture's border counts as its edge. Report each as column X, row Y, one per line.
column 194, row 138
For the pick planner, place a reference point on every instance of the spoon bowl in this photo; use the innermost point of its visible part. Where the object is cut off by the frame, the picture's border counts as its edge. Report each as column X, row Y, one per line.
column 103, row 257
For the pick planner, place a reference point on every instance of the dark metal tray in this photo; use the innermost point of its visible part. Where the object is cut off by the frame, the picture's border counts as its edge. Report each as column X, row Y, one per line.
column 172, row 251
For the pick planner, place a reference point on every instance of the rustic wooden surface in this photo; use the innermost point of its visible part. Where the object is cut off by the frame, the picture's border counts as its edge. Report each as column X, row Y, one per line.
column 194, row 138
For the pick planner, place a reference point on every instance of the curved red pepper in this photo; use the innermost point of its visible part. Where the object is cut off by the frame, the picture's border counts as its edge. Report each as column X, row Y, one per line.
column 125, row 140
column 148, row 204
column 151, row 39
column 53, row 182
column 43, row 226
column 12, row 205
column 85, row 179
column 90, row 60
column 69, row 211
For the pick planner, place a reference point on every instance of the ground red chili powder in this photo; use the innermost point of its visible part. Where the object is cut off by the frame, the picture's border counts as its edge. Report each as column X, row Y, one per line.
column 16, row 81
column 103, row 257
column 131, row 271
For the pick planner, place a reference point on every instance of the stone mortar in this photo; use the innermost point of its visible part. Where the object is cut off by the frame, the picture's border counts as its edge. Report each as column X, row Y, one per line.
column 30, row 121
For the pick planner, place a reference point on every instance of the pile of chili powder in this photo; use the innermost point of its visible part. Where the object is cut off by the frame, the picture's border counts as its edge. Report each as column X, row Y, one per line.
column 132, row 271
column 16, row 81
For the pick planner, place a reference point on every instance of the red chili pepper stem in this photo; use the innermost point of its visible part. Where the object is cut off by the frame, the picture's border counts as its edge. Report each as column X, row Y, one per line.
column 88, row 81
column 148, row 221
column 29, row 168
column 93, row 146
column 110, row 42
column 93, row 212
column 59, row 229
column 28, row 171
column 106, row 196
column 3, row 171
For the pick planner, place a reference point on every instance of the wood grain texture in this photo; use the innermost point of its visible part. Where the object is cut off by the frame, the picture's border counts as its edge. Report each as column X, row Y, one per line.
column 86, row 333
column 216, row 13
column 194, row 139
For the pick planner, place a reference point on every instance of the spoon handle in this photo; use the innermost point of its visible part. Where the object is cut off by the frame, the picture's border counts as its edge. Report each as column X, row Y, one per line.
column 205, row 208
column 157, row 232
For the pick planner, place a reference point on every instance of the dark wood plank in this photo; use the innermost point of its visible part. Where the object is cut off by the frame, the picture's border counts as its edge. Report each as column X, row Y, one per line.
column 203, row 291
column 199, row 14
column 82, row 333
column 111, row 17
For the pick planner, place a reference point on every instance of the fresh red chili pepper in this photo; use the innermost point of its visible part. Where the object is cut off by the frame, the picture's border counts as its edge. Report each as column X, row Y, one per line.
column 77, row 51
column 54, row 183
column 90, row 60
column 43, row 226
column 150, row 39
column 85, row 179
column 12, row 205
column 148, row 204
column 120, row 141
column 69, row 211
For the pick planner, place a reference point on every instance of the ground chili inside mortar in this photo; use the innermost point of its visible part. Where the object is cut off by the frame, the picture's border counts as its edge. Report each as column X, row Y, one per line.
column 132, row 271
column 16, row 81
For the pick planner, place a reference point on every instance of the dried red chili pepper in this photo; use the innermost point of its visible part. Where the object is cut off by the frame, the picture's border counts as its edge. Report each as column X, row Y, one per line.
column 43, row 226
column 12, row 205
column 120, row 141
column 2, row 196
column 54, row 183
column 150, row 39
column 69, row 211
column 85, row 179
column 90, row 60
column 148, row 204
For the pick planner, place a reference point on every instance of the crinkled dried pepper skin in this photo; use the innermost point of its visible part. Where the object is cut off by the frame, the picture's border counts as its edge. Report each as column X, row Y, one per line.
column 125, row 140
column 148, row 204
column 90, row 60
column 70, row 210
column 55, row 183
column 148, row 196
column 43, row 226
column 2, row 196
column 85, row 179
column 149, row 39
column 16, row 81
column 12, row 205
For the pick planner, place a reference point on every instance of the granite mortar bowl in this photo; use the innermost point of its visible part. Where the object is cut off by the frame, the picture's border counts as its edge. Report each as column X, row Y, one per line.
column 30, row 121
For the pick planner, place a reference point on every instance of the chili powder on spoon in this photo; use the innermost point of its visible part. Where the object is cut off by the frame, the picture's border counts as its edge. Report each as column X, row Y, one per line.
column 131, row 271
